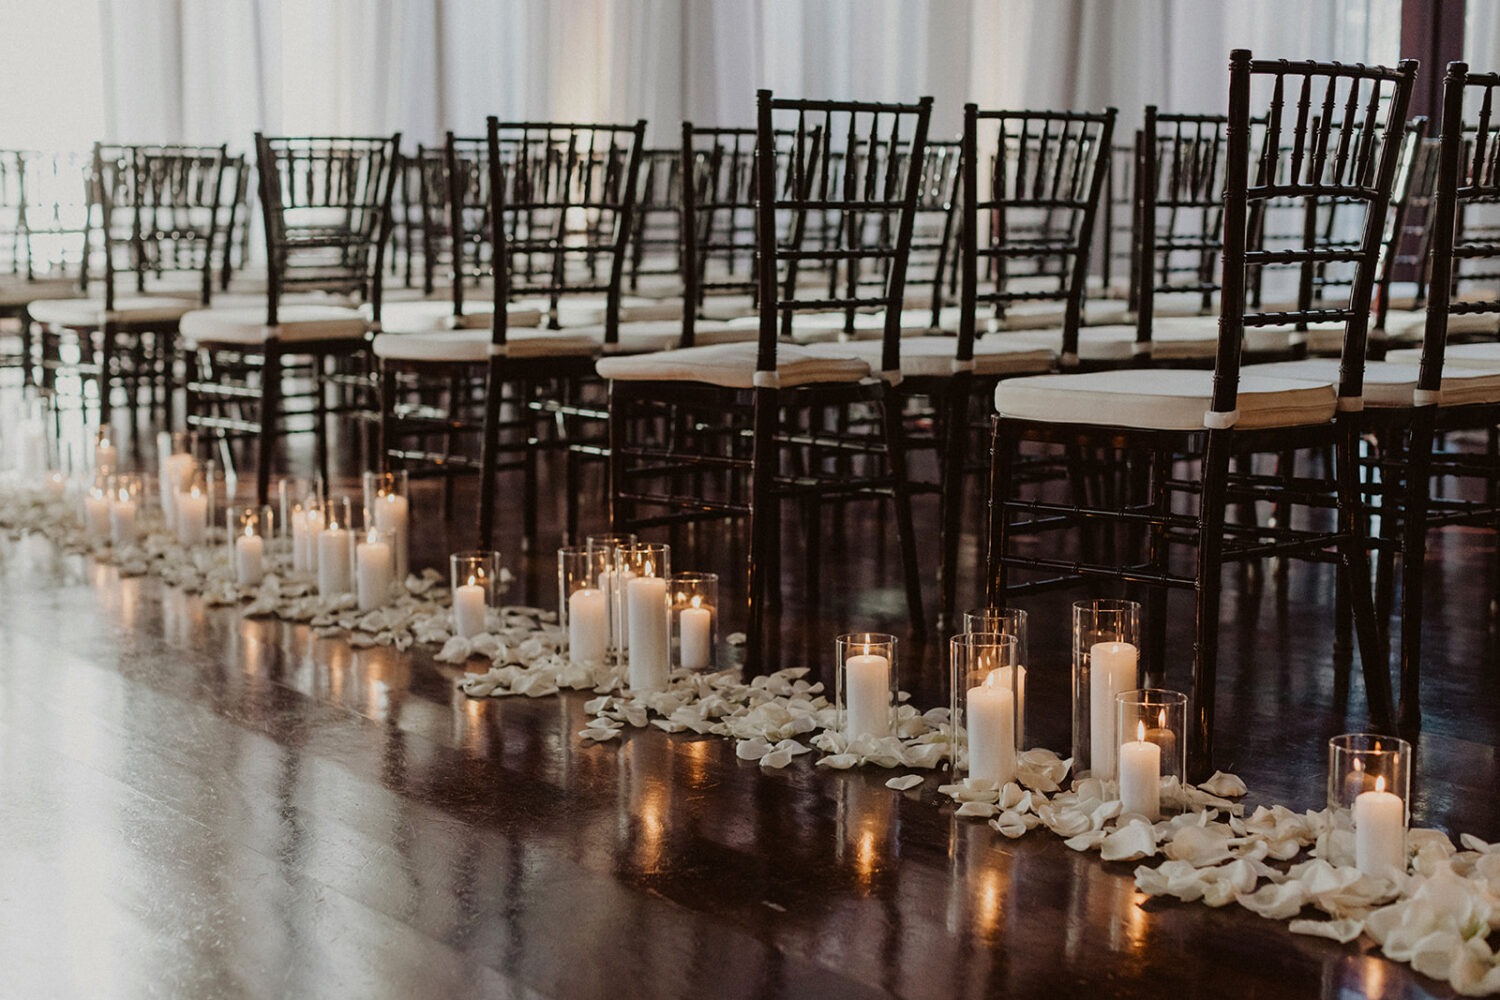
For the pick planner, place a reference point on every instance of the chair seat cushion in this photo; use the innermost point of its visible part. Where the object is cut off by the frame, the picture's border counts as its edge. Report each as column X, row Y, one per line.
column 828, row 327
column 473, row 346
column 1160, row 399
column 727, row 306
column 15, row 291
column 1483, row 356
column 1407, row 326
column 128, row 309
column 431, row 315
column 247, row 325
column 589, row 310
column 1392, row 382
column 733, row 366
column 995, row 354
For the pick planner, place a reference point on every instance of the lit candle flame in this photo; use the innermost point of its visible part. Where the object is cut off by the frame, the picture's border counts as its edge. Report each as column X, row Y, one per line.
column 1161, row 719
column 697, row 601
column 372, row 537
column 471, row 579
column 1140, row 730
column 1380, row 783
column 249, row 530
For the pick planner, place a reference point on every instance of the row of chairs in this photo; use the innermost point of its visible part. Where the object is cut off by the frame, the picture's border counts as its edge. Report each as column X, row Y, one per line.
column 814, row 343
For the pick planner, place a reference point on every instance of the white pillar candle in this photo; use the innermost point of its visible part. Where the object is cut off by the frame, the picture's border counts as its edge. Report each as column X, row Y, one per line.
column 650, row 632
column 31, row 453
column 393, row 515
column 122, row 521
column 1380, row 832
column 1112, row 669
column 96, row 516
column 192, row 518
column 333, row 561
column 990, row 720
column 57, row 484
column 249, row 559
column 376, row 566
column 1140, row 776
column 695, row 626
column 307, row 525
column 468, row 609
column 588, row 625
column 867, row 695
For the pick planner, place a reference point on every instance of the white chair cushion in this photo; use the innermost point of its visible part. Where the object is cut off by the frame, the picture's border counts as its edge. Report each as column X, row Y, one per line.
column 728, row 306
column 19, row 292
column 733, row 366
column 253, row 300
column 431, row 315
column 248, row 325
column 589, row 310
column 1392, row 382
column 1484, row 357
column 666, row 335
column 1041, row 315
column 473, row 346
column 1160, row 399
column 90, row 312
column 994, row 354
column 828, row 327
column 1408, row 326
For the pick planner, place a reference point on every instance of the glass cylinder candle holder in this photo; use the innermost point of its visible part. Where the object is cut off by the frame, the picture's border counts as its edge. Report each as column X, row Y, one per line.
column 609, row 540
column 177, row 465
column 583, row 602
column 307, row 521
column 1369, row 775
column 374, row 567
column 1014, row 622
column 249, row 531
column 56, row 484
column 985, row 705
column 388, row 507
column 192, row 508
column 866, row 684
column 125, row 496
column 106, row 455
column 96, row 521
column 335, row 549
column 642, row 609
column 291, row 492
column 1106, row 661
column 695, row 619
column 1152, row 729
column 475, row 577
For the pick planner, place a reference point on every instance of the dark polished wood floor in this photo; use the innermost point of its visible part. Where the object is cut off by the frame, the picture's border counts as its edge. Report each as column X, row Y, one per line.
column 197, row 805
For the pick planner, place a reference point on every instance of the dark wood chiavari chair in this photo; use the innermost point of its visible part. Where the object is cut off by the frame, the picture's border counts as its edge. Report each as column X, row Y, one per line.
column 861, row 224
column 1158, row 415
column 158, row 210
column 325, row 205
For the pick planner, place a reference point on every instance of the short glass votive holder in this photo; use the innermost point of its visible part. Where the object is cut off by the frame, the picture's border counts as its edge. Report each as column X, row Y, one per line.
column 249, row 531
column 106, row 453
column 292, row 492
column 1007, row 621
column 866, row 684
column 985, row 705
column 1369, row 776
column 1106, row 661
column 609, row 540
column 306, row 524
column 475, row 579
column 125, row 497
column 335, row 548
column 641, row 606
column 695, row 619
column 1152, row 728
column 374, row 567
column 96, row 511
column 388, row 507
column 583, row 601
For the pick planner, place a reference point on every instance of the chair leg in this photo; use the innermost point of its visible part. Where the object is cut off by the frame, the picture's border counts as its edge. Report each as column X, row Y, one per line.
column 763, row 524
column 1413, row 560
column 906, row 531
column 107, row 335
column 1158, row 551
column 615, row 475
column 385, row 427
column 270, row 407
column 998, row 536
column 488, row 459
column 1354, row 564
column 320, row 415
column 1208, row 591
column 954, row 429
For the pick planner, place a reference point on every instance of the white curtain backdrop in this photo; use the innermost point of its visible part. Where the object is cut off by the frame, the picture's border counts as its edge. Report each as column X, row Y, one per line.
column 189, row 70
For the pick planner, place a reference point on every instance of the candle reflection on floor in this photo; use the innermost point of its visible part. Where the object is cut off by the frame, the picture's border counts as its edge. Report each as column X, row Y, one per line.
column 645, row 803
column 1129, row 923
column 868, row 823
column 979, row 877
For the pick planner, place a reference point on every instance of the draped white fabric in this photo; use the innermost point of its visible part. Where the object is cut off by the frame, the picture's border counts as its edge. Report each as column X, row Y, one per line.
column 184, row 70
